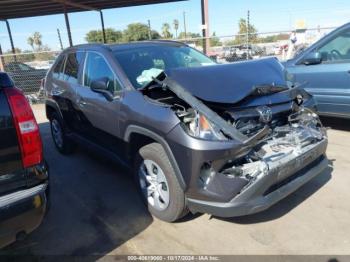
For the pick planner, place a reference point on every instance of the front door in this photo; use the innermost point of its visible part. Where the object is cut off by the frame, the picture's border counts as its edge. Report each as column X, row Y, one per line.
column 98, row 115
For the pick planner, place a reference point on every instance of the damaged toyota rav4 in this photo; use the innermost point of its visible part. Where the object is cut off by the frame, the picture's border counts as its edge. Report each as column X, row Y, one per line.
column 228, row 140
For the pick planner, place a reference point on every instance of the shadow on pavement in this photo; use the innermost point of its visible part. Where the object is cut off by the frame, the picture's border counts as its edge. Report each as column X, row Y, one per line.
column 336, row 123
column 287, row 204
column 95, row 207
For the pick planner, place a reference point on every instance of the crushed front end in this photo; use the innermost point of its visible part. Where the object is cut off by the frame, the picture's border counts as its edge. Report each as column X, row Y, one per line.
column 232, row 179
column 241, row 158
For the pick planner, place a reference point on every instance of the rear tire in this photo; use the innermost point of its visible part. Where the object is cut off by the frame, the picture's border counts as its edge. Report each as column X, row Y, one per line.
column 63, row 144
column 161, row 190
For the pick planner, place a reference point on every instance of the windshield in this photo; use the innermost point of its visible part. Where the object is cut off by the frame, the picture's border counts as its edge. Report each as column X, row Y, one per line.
column 144, row 63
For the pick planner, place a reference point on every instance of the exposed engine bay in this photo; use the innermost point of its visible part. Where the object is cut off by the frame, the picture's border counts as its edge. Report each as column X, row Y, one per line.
column 280, row 138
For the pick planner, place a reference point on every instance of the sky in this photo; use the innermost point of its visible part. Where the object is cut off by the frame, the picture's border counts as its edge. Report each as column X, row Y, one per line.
column 266, row 16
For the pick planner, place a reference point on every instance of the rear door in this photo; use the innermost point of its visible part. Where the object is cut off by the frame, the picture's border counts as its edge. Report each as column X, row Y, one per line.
column 11, row 174
column 329, row 81
column 99, row 116
column 65, row 79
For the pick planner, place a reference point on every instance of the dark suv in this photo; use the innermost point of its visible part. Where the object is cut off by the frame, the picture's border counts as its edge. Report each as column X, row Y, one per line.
column 23, row 172
column 228, row 140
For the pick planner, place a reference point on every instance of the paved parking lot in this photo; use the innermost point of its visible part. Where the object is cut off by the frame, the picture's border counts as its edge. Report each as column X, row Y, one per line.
column 95, row 209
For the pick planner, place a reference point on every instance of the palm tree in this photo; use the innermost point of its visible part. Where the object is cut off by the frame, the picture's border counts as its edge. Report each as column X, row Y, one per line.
column 30, row 42
column 37, row 37
column 176, row 26
column 166, row 31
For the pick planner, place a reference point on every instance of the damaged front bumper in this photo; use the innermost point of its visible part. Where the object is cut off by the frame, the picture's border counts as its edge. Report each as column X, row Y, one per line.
column 227, row 179
column 282, row 178
column 258, row 154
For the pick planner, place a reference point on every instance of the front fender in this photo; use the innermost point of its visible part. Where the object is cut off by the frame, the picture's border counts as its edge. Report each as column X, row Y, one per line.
column 132, row 129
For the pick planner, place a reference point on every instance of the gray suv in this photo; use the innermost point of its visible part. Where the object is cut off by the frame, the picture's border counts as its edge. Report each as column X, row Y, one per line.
column 229, row 140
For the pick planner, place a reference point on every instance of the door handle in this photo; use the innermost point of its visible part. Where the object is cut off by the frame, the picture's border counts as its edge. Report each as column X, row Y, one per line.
column 81, row 103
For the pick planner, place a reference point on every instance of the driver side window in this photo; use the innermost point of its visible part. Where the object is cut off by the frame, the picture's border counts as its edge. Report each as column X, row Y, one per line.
column 96, row 68
column 337, row 49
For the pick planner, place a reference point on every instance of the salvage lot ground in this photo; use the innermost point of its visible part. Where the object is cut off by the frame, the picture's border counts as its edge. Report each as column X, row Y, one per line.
column 95, row 209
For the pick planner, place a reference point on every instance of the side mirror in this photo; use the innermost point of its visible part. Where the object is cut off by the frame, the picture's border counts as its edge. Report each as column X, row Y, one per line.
column 101, row 86
column 312, row 58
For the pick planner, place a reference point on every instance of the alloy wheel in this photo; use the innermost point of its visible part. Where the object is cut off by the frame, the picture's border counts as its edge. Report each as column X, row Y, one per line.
column 154, row 185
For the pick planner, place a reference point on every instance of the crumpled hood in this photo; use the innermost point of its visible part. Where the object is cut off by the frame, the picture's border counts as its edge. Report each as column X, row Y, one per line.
column 229, row 83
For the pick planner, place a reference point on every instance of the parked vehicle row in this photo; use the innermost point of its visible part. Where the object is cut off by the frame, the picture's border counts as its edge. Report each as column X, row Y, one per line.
column 241, row 52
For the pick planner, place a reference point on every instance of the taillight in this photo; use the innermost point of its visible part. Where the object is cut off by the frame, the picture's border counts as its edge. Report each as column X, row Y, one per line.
column 26, row 126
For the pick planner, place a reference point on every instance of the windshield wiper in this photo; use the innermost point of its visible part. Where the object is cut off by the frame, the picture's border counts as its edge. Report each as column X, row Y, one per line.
column 268, row 89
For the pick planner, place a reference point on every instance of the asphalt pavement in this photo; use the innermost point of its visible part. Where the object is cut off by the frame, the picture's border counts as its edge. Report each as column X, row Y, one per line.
column 95, row 209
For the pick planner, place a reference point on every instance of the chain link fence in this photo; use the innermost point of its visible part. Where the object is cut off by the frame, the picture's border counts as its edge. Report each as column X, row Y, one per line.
column 28, row 69
column 281, row 44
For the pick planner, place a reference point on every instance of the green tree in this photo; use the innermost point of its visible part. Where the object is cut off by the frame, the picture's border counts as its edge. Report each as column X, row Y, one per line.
column 189, row 35
column 215, row 41
column 37, row 37
column 241, row 38
column 17, row 51
column 35, row 40
column 30, row 41
column 273, row 38
column 45, row 55
column 166, row 31
column 195, row 36
column 176, row 26
column 112, row 36
column 138, row 32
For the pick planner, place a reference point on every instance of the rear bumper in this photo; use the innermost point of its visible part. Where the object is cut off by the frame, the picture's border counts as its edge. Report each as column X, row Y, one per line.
column 280, row 181
column 22, row 212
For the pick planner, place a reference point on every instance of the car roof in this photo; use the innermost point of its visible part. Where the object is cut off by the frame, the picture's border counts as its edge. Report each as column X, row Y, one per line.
column 126, row 46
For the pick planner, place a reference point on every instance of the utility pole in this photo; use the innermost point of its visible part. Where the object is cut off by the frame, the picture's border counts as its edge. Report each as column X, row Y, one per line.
column 2, row 62
column 185, row 26
column 149, row 30
column 103, row 28
column 10, row 35
column 11, row 40
column 248, row 27
column 67, row 25
column 59, row 38
column 205, row 26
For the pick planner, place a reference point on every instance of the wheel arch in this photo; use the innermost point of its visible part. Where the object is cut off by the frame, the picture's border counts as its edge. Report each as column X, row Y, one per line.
column 52, row 107
column 136, row 131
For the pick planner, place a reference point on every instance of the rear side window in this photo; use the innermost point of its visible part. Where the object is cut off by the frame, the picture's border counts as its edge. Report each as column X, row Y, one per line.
column 71, row 70
column 59, row 67
column 5, row 80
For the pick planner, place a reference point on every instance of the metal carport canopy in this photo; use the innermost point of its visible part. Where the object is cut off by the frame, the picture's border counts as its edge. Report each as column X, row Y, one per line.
column 10, row 9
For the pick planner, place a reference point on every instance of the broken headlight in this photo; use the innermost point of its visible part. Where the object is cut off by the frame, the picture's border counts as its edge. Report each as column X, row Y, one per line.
column 201, row 127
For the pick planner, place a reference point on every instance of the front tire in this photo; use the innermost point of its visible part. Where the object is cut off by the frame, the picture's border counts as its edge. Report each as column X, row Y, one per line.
column 159, row 186
column 63, row 144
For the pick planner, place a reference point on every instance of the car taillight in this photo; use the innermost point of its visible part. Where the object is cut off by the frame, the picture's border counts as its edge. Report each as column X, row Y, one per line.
column 26, row 126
